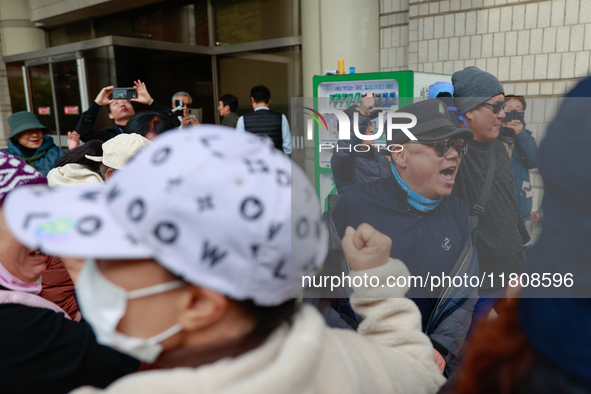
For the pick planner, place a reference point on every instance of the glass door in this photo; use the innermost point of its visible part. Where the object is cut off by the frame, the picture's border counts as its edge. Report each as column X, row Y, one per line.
column 54, row 87
column 41, row 96
column 67, row 95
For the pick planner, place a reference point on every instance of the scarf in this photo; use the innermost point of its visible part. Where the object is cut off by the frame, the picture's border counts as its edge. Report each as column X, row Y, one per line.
column 11, row 282
column 31, row 160
column 415, row 200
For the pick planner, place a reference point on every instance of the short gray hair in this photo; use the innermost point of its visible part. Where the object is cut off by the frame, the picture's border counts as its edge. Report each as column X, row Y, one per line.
column 103, row 170
column 180, row 94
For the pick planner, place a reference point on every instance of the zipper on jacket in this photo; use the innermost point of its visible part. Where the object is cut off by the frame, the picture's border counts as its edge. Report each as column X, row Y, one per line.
column 415, row 236
column 440, row 299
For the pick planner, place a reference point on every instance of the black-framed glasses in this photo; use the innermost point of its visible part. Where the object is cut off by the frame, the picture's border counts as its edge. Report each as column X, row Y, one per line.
column 496, row 107
column 443, row 146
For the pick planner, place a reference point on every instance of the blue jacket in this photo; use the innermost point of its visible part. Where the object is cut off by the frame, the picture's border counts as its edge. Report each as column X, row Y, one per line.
column 350, row 167
column 524, row 158
column 428, row 243
column 557, row 327
column 44, row 164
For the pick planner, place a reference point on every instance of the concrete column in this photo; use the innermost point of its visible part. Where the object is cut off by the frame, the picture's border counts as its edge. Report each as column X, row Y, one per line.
column 18, row 33
column 333, row 30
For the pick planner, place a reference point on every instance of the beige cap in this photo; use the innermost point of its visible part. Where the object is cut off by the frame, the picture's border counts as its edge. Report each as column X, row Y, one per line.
column 72, row 174
column 120, row 149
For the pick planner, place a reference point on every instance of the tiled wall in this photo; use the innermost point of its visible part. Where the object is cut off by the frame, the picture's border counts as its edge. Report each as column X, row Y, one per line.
column 537, row 48
column 394, row 35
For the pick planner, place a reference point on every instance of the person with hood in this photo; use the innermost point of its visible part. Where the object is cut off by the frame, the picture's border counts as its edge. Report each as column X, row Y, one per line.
column 196, row 267
column 43, row 349
column 444, row 91
column 27, row 141
column 73, row 168
column 523, row 151
column 350, row 167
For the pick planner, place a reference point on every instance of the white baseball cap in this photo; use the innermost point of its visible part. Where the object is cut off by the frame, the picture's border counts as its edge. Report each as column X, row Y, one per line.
column 220, row 209
column 120, row 149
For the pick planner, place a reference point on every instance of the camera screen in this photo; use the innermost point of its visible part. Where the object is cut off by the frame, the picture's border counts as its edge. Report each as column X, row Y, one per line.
column 123, row 93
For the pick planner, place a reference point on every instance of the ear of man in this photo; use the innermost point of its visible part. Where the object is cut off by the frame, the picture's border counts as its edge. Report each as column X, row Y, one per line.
column 202, row 308
column 400, row 158
column 108, row 173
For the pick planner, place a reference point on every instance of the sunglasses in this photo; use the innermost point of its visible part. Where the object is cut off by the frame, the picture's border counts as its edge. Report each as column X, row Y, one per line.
column 496, row 107
column 180, row 103
column 443, row 146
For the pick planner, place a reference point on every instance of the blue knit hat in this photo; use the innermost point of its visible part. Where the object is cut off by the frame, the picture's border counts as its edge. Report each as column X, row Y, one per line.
column 440, row 87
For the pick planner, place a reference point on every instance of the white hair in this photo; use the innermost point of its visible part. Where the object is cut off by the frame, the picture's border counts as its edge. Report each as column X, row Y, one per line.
column 180, row 94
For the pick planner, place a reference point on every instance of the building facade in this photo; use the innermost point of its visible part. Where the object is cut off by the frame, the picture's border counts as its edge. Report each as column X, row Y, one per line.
column 537, row 48
column 65, row 51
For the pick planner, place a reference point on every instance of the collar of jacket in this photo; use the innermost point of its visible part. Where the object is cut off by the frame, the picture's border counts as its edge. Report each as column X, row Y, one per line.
column 402, row 197
column 197, row 356
column 479, row 145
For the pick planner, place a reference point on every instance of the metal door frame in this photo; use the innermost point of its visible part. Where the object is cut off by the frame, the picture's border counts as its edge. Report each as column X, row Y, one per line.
column 78, row 56
column 75, row 51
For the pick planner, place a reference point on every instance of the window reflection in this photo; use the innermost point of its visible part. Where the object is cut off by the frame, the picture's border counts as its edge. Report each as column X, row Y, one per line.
column 278, row 69
column 238, row 21
column 170, row 22
column 182, row 22
column 16, row 86
column 73, row 32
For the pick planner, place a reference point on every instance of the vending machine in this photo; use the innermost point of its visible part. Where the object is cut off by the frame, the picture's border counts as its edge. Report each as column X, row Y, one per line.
column 392, row 90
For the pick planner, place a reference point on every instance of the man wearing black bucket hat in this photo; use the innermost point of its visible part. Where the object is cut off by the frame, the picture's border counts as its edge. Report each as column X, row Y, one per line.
column 429, row 228
column 27, row 140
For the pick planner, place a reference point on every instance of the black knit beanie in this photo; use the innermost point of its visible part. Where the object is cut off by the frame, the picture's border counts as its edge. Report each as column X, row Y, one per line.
column 472, row 87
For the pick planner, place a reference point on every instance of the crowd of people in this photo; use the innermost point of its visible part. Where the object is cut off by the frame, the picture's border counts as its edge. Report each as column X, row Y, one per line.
column 161, row 255
column 29, row 139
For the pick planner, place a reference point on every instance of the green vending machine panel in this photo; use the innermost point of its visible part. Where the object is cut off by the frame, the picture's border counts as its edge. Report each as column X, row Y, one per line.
column 392, row 90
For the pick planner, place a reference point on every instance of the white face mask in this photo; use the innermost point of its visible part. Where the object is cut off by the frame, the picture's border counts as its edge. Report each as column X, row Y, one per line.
column 103, row 304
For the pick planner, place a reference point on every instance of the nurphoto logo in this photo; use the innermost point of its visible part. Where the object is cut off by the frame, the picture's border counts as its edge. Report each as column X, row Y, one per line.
column 344, row 128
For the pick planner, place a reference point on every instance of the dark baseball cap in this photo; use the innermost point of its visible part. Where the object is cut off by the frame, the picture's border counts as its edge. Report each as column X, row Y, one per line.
column 433, row 123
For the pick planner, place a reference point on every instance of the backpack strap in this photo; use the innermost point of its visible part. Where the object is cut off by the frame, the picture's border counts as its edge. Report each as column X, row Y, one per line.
column 479, row 208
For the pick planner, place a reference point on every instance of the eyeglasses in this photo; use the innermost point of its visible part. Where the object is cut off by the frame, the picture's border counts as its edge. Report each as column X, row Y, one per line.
column 496, row 107
column 443, row 146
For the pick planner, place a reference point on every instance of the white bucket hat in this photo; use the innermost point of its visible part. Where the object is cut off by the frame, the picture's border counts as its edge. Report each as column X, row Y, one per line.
column 120, row 149
column 220, row 209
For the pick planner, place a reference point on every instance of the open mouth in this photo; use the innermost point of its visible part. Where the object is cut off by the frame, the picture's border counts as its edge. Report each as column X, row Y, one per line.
column 36, row 253
column 448, row 174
